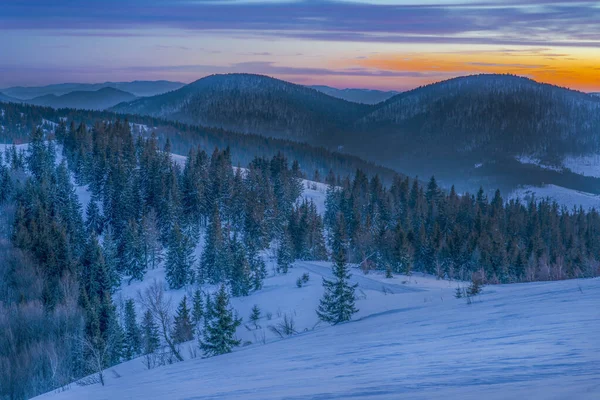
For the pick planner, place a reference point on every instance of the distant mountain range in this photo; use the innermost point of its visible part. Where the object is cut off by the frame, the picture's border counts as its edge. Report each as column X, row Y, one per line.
column 253, row 104
column 137, row 88
column 465, row 130
column 364, row 96
column 87, row 100
column 6, row 98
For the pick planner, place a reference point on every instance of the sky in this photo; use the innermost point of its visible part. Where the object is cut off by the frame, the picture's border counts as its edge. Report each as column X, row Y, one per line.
column 380, row 44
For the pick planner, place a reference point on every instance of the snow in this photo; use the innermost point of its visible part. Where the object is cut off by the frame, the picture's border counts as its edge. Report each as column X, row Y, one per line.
column 535, row 340
column 588, row 165
column 138, row 128
column 19, row 147
column 584, row 165
column 317, row 192
column 563, row 196
column 525, row 159
column 49, row 123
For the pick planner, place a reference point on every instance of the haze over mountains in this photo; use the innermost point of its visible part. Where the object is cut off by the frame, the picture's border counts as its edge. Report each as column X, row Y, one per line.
column 87, row 100
column 6, row 98
column 470, row 131
column 137, row 88
column 364, row 96
column 495, row 131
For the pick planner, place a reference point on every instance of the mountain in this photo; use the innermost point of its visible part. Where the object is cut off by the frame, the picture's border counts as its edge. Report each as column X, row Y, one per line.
column 137, row 88
column 469, row 131
column 472, row 128
column 364, row 96
column 10, row 99
column 595, row 94
column 253, row 104
column 95, row 100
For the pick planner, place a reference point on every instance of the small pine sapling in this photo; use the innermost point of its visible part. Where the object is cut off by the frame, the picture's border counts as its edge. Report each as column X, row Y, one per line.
column 255, row 315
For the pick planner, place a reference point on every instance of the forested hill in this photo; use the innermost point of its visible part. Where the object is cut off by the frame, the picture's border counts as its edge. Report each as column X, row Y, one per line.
column 469, row 130
column 18, row 120
column 488, row 114
column 253, row 104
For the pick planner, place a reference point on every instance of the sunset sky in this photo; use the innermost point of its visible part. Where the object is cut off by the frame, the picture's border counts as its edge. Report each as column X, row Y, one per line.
column 380, row 44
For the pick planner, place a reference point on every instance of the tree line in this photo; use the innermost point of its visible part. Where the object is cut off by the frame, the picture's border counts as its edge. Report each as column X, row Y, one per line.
column 414, row 227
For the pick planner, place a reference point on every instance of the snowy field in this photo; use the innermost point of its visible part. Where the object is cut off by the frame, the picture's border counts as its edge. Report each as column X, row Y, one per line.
column 411, row 339
column 585, row 165
column 563, row 196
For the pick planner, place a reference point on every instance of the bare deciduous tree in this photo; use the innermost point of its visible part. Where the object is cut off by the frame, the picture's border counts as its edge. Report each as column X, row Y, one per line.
column 154, row 300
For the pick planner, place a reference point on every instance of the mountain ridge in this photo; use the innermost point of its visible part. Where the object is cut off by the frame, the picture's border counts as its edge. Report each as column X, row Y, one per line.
column 250, row 103
column 364, row 96
column 91, row 100
column 445, row 129
column 138, row 88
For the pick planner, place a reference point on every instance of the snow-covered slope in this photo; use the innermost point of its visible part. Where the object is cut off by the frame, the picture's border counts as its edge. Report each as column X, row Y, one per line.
column 585, row 165
column 411, row 340
column 567, row 197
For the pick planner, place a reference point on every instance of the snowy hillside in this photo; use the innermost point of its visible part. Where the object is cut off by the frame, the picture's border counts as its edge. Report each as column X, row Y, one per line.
column 411, row 339
column 567, row 197
column 584, row 165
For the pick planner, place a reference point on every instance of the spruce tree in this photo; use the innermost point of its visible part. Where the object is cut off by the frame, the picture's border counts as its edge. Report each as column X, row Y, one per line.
column 258, row 269
column 214, row 252
column 285, row 253
column 133, row 335
column 240, row 277
column 255, row 315
column 150, row 335
column 151, row 236
column 197, row 308
column 133, row 252
column 109, row 251
column 183, row 329
column 337, row 304
column 93, row 219
column 180, row 259
column 219, row 332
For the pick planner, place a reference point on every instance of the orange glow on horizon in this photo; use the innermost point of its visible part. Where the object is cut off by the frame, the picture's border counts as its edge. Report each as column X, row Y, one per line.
column 575, row 71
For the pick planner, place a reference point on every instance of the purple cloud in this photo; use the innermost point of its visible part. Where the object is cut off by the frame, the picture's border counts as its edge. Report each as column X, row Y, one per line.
column 541, row 22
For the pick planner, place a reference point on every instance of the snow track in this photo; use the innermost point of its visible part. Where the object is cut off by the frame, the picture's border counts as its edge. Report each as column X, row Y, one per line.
column 364, row 283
